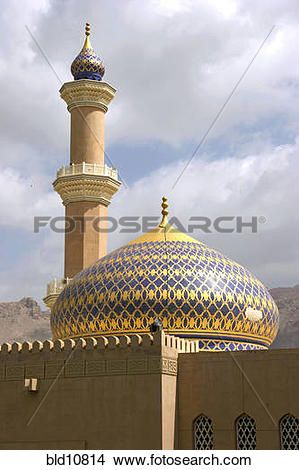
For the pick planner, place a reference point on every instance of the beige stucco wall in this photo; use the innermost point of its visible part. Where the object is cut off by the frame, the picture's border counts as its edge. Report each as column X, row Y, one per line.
column 94, row 413
column 222, row 386
column 142, row 393
column 168, row 410
column 106, row 396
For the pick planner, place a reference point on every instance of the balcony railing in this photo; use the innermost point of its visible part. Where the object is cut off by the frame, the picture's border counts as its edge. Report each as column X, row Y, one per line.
column 55, row 287
column 87, row 169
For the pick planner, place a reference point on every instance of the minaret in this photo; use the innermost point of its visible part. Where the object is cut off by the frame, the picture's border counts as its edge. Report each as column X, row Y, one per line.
column 86, row 185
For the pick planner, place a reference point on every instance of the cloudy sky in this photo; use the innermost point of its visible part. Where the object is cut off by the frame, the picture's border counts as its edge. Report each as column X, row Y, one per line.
column 174, row 63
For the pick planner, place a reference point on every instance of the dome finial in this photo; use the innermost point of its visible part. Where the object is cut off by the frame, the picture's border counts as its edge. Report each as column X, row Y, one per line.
column 87, row 29
column 164, row 212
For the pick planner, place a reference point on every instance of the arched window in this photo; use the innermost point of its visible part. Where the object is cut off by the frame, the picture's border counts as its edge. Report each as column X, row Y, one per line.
column 246, row 433
column 289, row 432
column 203, row 433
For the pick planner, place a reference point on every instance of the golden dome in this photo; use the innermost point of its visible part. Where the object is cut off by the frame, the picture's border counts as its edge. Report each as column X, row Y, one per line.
column 195, row 291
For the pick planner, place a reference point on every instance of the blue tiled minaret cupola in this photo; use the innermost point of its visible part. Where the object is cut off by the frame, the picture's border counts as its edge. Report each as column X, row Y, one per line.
column 88, row 64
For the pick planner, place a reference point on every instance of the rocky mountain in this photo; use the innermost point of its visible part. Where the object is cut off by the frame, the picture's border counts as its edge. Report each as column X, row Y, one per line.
column 25, row 321
column 287, row 300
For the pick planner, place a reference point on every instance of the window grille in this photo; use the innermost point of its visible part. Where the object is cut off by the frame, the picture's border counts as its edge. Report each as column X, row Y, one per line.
column 203, row 433
column 289, row 432
column 246, row 433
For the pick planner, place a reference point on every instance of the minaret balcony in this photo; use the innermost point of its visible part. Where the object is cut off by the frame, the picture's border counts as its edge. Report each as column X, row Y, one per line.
column 86, row 182
column 87, row 93
column 87, row 169
column 53, row 290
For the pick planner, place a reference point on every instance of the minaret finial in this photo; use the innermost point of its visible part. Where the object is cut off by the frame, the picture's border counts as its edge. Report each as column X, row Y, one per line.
column 164, row 212
column 87, row 29
column 87, row 44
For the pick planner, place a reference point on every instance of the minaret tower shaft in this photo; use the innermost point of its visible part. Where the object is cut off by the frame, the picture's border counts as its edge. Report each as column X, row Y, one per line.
column 86, row 185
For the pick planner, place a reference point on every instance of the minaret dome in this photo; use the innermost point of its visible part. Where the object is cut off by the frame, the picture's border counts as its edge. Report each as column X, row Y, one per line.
column 88, row 64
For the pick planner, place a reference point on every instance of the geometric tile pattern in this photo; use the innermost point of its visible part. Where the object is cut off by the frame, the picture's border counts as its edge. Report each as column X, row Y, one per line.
column 203, row 433
column 213, row 345
column 289, row 432
column 88, row 65
column 194, row 290
column 246, row 433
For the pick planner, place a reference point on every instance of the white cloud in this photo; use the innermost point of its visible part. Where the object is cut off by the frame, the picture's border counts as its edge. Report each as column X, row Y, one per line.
column 263, row 184
column 21, row 199
column 40, row 255
column 174, row 64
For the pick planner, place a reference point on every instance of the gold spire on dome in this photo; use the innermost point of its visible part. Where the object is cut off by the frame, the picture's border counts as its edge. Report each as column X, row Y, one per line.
column 164, row 212
column 164, row 231
column 87, row 43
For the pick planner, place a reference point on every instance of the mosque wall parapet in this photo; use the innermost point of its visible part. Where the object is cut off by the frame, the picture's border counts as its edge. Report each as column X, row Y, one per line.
column 114, row 355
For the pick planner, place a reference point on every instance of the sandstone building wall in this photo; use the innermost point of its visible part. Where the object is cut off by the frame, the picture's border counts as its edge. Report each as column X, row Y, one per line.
column 139, row 393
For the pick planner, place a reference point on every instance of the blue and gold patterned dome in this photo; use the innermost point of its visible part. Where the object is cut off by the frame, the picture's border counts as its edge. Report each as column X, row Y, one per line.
column 88, row 64
column 194, row 290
